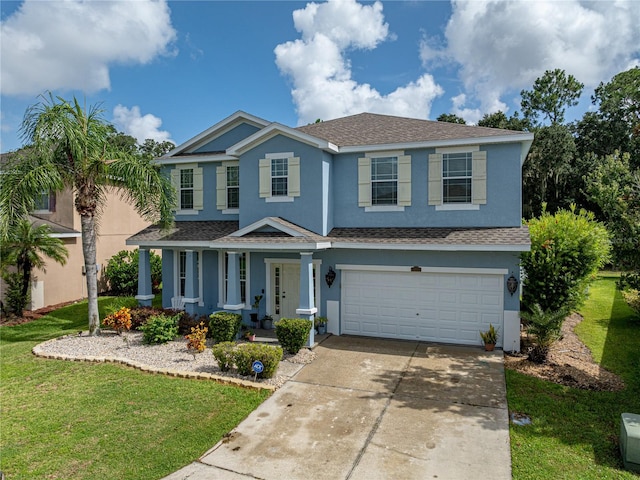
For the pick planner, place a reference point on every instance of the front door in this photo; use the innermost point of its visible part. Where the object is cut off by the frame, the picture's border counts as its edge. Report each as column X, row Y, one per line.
column 285, row 290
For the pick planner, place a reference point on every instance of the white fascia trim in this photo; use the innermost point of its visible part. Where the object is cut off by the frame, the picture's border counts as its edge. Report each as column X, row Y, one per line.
column 432, row 247
column 219, row 128
column 257, row 247
column 145, row 297
column 270, row 260
column 279, row 129
column 523, row 137
column 400, row 268
column 200, row 158
column 264, row 222
column 525, row 151
column 66, row 235
column 182, row 245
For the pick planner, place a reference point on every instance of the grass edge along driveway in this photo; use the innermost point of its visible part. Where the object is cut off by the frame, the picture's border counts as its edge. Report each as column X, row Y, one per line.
column 575, row 433
column 73, row 420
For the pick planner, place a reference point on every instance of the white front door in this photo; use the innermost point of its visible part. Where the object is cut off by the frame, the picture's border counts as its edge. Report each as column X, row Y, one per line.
column 285, row 290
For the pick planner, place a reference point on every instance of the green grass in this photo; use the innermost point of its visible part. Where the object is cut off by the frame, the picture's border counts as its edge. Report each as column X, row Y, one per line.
column 574, row 434
column 70, row 420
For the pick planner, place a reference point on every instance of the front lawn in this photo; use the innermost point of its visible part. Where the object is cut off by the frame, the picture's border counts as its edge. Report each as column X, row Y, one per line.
column 71, row 420
column 574, row 433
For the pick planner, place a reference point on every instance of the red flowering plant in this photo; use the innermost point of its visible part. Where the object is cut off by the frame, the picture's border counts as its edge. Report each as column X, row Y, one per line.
column 197, row 339
column 119, row 320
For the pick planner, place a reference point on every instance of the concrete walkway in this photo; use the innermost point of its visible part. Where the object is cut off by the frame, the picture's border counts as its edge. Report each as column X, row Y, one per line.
column 374, row 409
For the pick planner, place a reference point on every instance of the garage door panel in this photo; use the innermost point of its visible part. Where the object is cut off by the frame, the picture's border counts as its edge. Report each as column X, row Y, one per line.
column 424, row 306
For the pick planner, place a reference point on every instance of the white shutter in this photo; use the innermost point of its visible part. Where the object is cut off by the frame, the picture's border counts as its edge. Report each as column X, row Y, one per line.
column 265, row 178
column 404, row 180
column 197, row 189
column 479, row 179
column 364, row 182
column 435, row 179
column 294, row 177
column 221, row 187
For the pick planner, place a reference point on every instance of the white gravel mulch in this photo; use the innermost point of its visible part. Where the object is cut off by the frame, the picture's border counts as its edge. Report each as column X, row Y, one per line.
column 172, row 358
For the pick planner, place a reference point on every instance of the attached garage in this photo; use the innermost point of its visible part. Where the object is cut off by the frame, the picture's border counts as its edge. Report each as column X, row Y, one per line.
column 439, row 306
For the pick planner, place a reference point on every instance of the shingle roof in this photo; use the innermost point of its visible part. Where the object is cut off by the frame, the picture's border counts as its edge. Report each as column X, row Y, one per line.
column 219, row 232
column 375, row 129
column 516, row 236
column 56, row 228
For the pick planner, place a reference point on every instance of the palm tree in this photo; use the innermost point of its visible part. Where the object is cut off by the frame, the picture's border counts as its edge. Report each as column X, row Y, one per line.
column 546, row 326
column 24, row 248
column 70, row 147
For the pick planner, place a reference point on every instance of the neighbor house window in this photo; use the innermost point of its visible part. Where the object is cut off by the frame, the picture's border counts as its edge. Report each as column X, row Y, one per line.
column 45, row 202
column 384, row 181
column 456, row 177
column 186, row 189
column 233, row 186
column 279, row 177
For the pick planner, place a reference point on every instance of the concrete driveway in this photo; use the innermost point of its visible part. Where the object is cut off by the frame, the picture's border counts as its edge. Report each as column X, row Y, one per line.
column 374, row 409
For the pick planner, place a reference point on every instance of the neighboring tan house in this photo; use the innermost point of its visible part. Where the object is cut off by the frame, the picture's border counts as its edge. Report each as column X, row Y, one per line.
column 59, row 283
column 390, row 227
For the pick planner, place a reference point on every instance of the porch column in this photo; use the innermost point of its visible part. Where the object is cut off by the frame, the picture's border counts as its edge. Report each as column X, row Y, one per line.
column 145, row 294
column 307, row 308
column 233, row 300
column 191, row 296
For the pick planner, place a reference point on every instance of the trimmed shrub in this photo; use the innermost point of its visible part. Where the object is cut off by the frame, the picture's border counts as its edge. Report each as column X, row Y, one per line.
column 567, row 250
column 187, row 322
column 160, row 329
column 629, row 280
column 224, row 326
column 119, row 320
column 632, row 297
column 140, row 315
column 122, row 272
column 293, row 333
column 245, row 354
column 223, row 352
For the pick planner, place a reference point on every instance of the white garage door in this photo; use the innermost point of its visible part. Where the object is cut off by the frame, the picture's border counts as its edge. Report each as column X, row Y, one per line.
column 439, row 307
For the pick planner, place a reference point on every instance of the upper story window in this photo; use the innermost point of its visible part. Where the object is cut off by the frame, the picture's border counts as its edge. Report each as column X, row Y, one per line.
column 384, row 181
column 186, row 189
column 187, row 180
column 45, row 202
column 458, row 178
column 280, row 177
column 228, row 187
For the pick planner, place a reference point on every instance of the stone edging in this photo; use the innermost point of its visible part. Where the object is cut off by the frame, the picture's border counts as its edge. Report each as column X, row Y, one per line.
column 38, row 351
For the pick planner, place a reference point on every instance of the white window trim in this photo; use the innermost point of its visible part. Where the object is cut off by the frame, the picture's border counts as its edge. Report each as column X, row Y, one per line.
column 187, row 212
column 176, row 274
column 247, row 305
column 181, row 188
column 276, row 197
column 384, row 208
column 317, row 263
column 227, row 165
column 230, row 211
column 279, row 199
column 457, row 206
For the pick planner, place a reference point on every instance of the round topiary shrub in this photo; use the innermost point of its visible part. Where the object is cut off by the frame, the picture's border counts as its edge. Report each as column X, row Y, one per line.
column 223, row 352
column 224, row 326
column 293, row 333
column 245, row 354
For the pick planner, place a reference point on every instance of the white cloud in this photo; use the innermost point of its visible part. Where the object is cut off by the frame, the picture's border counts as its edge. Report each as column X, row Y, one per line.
column 141, row 127
column 321, row 73
column 504, row 46
column 70, row 45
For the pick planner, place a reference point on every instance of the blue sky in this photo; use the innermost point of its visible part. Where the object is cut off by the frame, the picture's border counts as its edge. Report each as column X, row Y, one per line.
column 169, row 70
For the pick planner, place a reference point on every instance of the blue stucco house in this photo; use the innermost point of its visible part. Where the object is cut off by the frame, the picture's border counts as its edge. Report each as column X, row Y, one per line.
column 419, row 222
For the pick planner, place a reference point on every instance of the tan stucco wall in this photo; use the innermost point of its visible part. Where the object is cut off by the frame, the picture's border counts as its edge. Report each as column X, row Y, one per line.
column 65, row 283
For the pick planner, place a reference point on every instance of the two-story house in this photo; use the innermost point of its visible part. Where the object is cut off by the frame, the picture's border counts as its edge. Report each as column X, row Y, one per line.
column 390, row 227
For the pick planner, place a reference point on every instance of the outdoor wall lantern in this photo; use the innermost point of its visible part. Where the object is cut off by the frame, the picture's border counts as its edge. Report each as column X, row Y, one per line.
column 512, row 284
column 330, row 276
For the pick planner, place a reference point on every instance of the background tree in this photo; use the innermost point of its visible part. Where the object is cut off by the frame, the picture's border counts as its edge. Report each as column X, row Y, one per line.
column 500, row 120
column 24, row 248
column 551, row 95
column 153, row 149
column 451, row 118
column 122, row 272
column 72, row 149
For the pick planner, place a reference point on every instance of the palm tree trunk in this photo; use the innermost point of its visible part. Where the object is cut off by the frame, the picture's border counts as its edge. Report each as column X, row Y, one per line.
column 88, row 224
